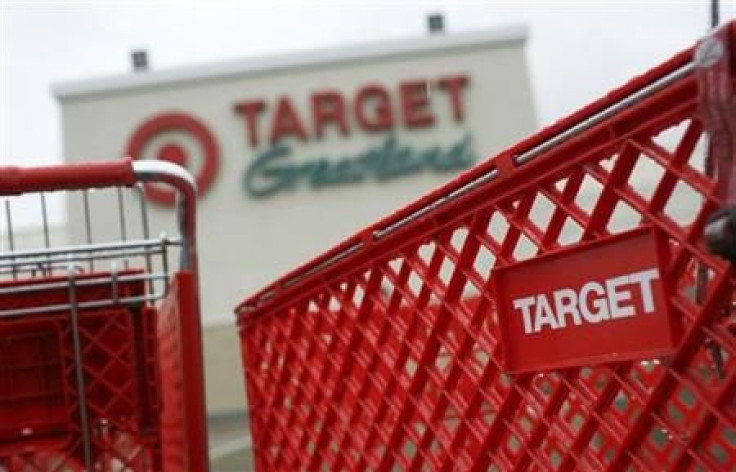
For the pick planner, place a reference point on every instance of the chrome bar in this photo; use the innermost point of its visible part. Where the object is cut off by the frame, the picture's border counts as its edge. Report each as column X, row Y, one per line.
column 79, row 370
column 46, row 237
column 186, row 187
column 183, row 182
column 121, row 215
column 32, row 267
column 30, row 262
column 56, row 258
column 323, row 265
column 9, row 230
column 135, row 300
column 144, row 211
column 9, row 221
column 87, row 224
column 165, row 262
column 606, row 113
column 45, row 216
column 453, row 195
column 113, row 282
column 144, row 225
column 163, row 241
column 86, row 282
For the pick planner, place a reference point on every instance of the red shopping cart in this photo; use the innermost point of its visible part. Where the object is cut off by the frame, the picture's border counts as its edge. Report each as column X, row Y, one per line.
column 100, row 343
column 555, row 308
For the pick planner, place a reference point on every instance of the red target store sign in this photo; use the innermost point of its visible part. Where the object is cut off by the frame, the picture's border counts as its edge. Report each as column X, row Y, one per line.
column 601, row 302
column 176, row 153
column 373, row 109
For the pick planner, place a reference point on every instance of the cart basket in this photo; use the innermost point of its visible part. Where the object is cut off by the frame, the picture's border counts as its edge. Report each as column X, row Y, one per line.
column 565, row 305
column 100, row 343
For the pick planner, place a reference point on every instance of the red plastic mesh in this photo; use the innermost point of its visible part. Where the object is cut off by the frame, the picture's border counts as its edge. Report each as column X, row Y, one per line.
column 40, row 425
column 388, row 358
column 182, row 400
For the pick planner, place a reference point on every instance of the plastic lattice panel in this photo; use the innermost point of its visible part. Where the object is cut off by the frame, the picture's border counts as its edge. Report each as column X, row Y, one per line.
column 384, row 353
column 40, row 402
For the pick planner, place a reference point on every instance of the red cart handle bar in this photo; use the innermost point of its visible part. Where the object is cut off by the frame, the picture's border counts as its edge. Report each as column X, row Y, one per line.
column 20, row 180
column 121, row 173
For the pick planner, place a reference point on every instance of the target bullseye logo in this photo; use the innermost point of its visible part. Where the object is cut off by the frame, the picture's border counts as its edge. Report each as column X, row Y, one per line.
column 179, row 138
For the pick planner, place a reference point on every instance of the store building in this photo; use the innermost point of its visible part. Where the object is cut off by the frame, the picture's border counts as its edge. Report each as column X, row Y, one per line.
column 294, row 153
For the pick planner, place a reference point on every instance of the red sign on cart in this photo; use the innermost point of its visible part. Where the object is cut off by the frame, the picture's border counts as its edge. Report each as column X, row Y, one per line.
column 600, row 302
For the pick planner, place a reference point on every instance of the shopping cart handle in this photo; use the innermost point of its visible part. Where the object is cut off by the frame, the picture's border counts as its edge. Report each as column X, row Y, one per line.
column 18, row 180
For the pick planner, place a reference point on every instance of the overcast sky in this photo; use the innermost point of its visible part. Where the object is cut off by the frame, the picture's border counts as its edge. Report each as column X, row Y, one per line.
column 576, row 50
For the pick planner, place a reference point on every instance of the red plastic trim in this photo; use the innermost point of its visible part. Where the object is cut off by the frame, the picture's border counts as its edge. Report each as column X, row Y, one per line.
column 19, row 180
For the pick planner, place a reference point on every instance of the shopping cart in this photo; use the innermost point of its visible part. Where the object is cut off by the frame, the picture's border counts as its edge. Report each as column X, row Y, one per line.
column 413, row 346
column 100, row 342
